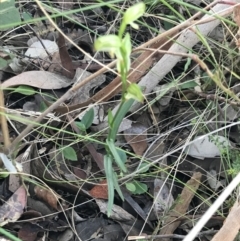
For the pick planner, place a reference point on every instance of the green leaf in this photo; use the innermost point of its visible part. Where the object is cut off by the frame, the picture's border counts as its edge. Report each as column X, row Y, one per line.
column 145, row 167
column 25, row 90
column 3, row 63
column 131, row 187
column 88, row 118
column 134, row 92
column 133, row 13
column 4, row 175
column 43, row 106
column 115, row 154
column 110, row 43
column 80, row 126
column 116, row 185
column 69, row 153
column 110, row 118
column 188, row 85
column 119, row 117
column 110, row 181
column 188, row 63
column 26, row 16
column 140, row 187
column 9, row 15
column 122, row 155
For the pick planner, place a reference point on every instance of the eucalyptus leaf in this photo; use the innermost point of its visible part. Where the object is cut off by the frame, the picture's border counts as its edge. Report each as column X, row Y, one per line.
column 69, row 153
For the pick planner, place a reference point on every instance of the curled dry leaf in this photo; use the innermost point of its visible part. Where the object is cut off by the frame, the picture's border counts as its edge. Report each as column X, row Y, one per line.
column 38, row 79
column 12, row 210
column 118, row 213
column 50, row 197
column 136, row 137
column 100, row 190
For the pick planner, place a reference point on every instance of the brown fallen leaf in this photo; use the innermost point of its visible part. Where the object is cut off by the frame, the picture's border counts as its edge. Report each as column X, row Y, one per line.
column 100, row 190
column 29, row 232
column 12, row 210
column 136, row 137
column 67, row 64
column 38, row 79
column 50, row 197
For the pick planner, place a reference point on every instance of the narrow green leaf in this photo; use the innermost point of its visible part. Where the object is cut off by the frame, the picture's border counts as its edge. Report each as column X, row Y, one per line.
column 110, row 182
column 117, row 187
column 114, row 152
column 119, row 117
column 24, row 90
column 131, row 187
column 88, row 118
column 122, row 155
column 188, row 85
column 110, row 118
column 69, row 153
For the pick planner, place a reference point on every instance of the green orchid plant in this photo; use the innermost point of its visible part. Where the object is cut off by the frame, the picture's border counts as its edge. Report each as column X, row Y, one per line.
column 121, row 47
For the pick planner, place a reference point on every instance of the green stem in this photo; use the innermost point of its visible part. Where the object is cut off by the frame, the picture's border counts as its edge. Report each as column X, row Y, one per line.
column 121, row 30
column 9, row 235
